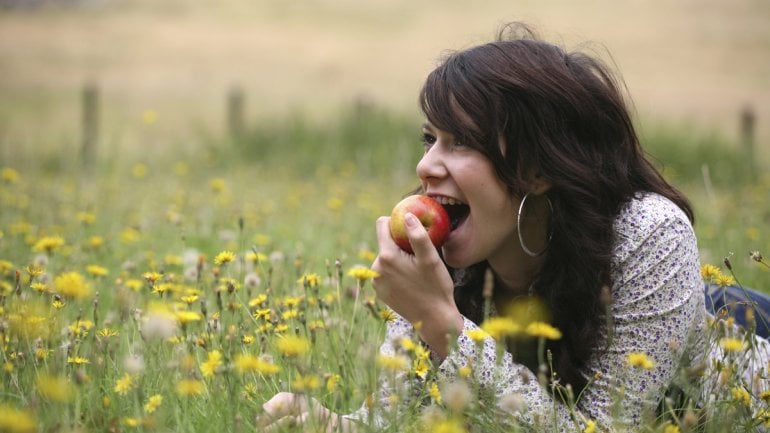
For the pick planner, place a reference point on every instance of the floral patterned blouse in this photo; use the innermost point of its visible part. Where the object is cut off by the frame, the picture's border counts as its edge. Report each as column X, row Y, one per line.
column 657, row 309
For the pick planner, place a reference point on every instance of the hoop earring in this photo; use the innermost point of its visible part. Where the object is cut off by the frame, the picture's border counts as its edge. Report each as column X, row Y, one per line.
column 518, row 228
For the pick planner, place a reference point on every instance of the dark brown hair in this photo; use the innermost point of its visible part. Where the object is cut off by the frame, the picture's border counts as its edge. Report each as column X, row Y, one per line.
column 561, row 114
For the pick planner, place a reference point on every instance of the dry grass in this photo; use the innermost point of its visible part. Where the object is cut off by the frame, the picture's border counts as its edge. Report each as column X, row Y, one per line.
column 694, row 62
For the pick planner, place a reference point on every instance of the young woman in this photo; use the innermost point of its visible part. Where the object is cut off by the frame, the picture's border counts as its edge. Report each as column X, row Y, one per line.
column 532, row 151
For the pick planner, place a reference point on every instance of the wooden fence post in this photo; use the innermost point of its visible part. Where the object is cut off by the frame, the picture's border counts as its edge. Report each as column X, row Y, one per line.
column 90, row 125
column 235, row 103
column 747, row 136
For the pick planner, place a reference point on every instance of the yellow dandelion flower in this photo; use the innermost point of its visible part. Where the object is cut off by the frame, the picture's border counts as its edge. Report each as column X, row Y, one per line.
column 305, row 383
column 139, row 171
column 39, row 287
column 543, row 330
column 72, row 285
column 394, row 363
column 501, row 327
column 316, row 325
column 190, row 299
column 709, row 272
column 13, row 420
column 741, row 395
column 9, row 175
column 310, row 280
column 732, row 344
column 96, row 270
column 332, row 382
column 48, row 244
column 248, row 363
column 55, row 388
column 131, row 422
column 263, row 313
column 289, row 314
column 292, row 301
column 248, row 339
column 387, row 315
column 184, row 317
column 407, row 344
column 8, row 367
column 224, row 258
column 362, row 274
column 258, row 300
column 190, row 387
column 640, row 360
column 671, row 428
column 367, row 255
column 218, row 185
column 95, row 241
column 421, row 368
column 434, row 392
column 723, row 280
column 129, row 235
column 107, row 333
column 590, row 427
column 210, row 366
column 152, row 277
column 80, row 328
column 262, row 240
column 465, row 371
column 451, row 425
column 87, row 218
column 292, row 345
column 34, row 271
column 124, row 384
column 153, row 403
column 78, row 360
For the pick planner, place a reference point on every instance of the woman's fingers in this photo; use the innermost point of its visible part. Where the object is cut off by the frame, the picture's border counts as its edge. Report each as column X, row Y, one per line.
column 280, row 406
column 418, row 237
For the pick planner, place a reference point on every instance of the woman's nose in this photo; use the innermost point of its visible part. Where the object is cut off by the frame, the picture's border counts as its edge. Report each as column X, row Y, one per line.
column 431, row 166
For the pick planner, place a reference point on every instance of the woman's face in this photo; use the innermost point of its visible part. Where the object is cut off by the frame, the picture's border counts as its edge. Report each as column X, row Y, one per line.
column 483, row 212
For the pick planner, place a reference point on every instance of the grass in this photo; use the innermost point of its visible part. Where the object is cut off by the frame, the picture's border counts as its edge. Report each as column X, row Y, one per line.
column 295, row 202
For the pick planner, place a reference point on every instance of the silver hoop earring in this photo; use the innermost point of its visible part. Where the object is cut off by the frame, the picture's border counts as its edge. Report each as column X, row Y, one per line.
column 518, row 228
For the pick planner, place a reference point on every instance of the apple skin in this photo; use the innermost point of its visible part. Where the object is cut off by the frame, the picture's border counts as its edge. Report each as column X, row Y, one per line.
column 430, row 213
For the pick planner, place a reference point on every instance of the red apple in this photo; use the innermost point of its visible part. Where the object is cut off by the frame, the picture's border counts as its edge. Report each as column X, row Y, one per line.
column 430, row 213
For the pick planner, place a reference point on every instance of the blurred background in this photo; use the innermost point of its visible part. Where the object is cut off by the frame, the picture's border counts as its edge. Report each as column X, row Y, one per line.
column 164, row 68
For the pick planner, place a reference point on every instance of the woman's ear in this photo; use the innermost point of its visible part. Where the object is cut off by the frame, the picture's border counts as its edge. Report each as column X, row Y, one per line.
column 538, row 184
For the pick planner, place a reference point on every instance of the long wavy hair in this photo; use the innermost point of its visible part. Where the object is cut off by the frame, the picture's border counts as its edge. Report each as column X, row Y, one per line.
column 562, row 115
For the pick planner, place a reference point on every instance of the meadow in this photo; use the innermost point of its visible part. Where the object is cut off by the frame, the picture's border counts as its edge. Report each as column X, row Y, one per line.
column 183, row 275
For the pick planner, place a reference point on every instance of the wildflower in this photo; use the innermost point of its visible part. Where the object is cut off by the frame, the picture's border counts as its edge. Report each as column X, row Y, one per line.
column 139, row 171
column 131, row 422
column 78, row 360
column 58, row 304
column 189, row 299
column 362, row 274
column 80, row 328
column 152, row 277
column 457, row 395
column 293, row 346
column 640, row 360
column 258, row 300
column 291, row 301
column 14, row 420
column 543, row 330
column 741, row 395
column 367, row 255
column 96, row 270
column 153, row 403
column 421, row 368
column 39, row 287
column 188, row 387
column 387, row 315
column 249, row 363
column 263, row 314
column 48, row 244
column 732, row 344
column 224, row 258
column 434, row 392
column 55, row 388
column 765, row 396
column 315, row 325
column 95, row 241
column 440, row 425
column 87, row 218
column 305, row 383
column 590, row 427
column 34, row 270
column 247, row 339
column 709, row 272
column 500, row 327
column 465, row 371
column 72, row 285
column 393, row 363
column 184, row 317
column 124, row 384
column 723, row 280
column 9, row 175
column 129, row 235
column 214, row 361
column 332, row 382
column 218, row 185
column 262, row 240
column 310, row 280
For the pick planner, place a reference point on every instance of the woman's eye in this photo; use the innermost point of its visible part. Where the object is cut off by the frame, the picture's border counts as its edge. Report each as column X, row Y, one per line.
column 428, row 140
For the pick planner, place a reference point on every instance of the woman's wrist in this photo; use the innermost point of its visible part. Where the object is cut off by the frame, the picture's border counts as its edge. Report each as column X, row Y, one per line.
column 438, row 332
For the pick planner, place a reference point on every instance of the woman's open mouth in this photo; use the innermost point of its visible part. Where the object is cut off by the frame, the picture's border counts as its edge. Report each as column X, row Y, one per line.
column 456, row 210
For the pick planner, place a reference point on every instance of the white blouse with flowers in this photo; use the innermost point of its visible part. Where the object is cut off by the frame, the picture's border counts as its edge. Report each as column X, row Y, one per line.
column 657, row 310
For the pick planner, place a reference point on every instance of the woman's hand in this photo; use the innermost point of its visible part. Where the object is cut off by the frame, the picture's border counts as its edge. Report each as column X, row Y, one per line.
column 287, row 410
column 418, row 287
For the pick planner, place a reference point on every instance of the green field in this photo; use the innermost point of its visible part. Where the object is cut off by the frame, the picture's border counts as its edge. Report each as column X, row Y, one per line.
column 121, row 308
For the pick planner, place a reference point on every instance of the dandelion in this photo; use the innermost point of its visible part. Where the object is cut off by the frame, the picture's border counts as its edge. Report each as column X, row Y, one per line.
column 80, row 328
column 96, row 270
column 387, row 315
column 86, row 218
column 709, row 272
column 289, row 314
column 316, row 325
column 640, row 360
column 500, row 327
column 732, row 345
column 77, row 360
column 95, row 241
column 310, row 280
column 332, row 382
column 457, row 395
column 590, row 427
column 13, row 420
column 184, row 317
column 305, row 383
column 292, row 346
column 129, row 235
column 394, row 363
column 258, row 300
column 131, row 422
column 247, row 339
column 740, row 395
column 263, row 313
column 291, row 301
column 434, row 392
column 72, row 285
column 218, row 185
column 543, row 330
column 9, row 175
column 152, row 277
column 124, row 384
column 139, row 171
column 48, row 244
column 214, row 361
column 723, row 280
column 34, row 271
column 190, row 387
column 363, row 274
column 252, row 364
column 153, row 403
column 224, row 258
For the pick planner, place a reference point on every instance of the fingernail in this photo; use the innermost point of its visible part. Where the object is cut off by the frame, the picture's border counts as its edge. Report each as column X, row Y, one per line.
column 410, row 220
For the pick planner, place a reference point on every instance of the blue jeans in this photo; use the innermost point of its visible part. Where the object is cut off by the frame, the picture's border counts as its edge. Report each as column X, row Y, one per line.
column 735, row 301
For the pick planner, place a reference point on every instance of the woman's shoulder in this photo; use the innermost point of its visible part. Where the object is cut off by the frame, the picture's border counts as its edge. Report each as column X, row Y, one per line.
column 648, row 210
